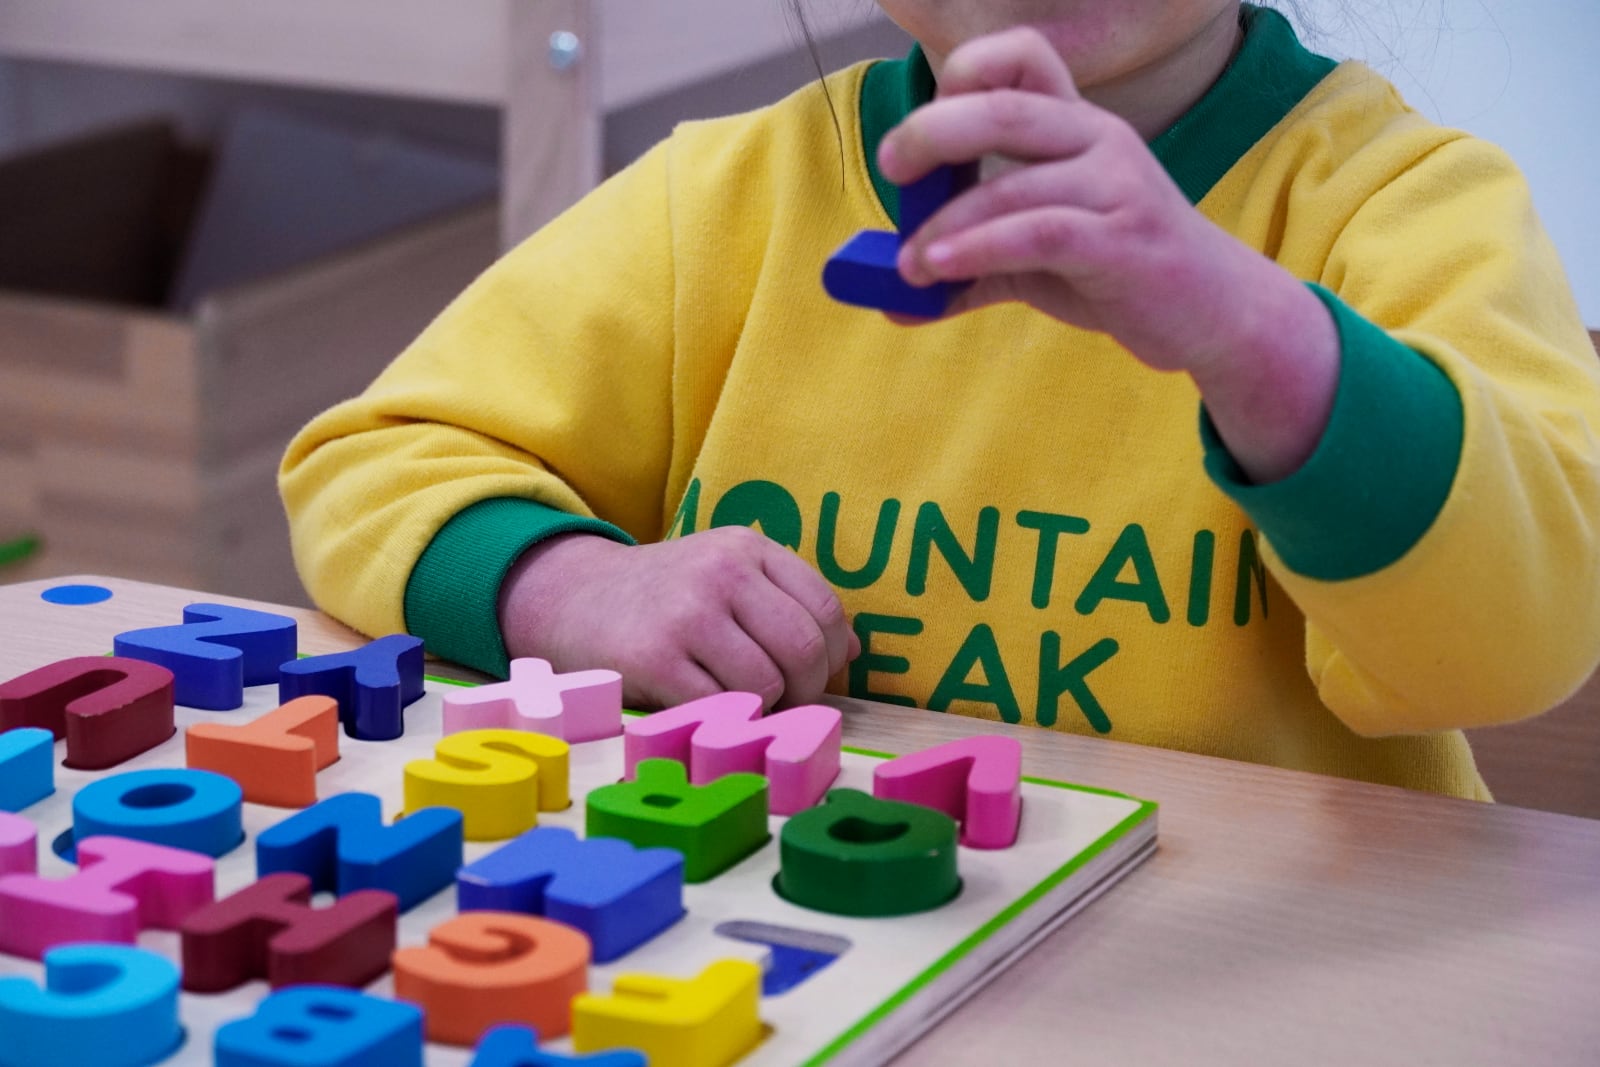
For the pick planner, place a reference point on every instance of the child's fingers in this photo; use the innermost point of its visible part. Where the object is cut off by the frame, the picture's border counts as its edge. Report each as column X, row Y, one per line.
column 667, row 683
column 788, row 634
column 807, row 588
column 1025, row 127
column 1018, row 58
column 730, row 655
column 1079, row 182
column 1044, row 239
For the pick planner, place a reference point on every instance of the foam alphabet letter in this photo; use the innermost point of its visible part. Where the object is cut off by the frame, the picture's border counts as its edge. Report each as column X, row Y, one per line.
column 498, row 779
column 865, row 273
column 323, row 1025
column 858, row 855
column 275, row 759
column 269, row 930
column 577, row 707
column 27, row 767
column 618, row 895
column 518, row 1046
column 216, row 652
column 487, row 967
column 121, row 887
column 194, row 810
column 109, row 1005
column 373, row 684
column 714, row 826
column 19, row 845
column 975, row 780
column 798, row 749
column 109, row 708
column 342, row 845
column 712, row 1018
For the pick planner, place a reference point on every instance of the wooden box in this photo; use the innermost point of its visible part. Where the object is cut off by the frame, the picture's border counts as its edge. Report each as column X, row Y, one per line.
column 143, row 444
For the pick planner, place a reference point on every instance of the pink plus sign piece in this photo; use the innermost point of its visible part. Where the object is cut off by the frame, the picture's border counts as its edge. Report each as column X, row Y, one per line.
column 977, row 781
column 18, row 848
column 121, row 887
column 797, row 749
column 577, row 707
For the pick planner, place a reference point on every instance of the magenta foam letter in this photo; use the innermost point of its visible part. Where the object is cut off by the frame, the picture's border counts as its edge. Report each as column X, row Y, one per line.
column 797, row 750
column 977, row 781
column 121, row 887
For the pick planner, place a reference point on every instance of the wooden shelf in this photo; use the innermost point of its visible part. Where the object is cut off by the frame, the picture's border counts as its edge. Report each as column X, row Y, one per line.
column 490, row 52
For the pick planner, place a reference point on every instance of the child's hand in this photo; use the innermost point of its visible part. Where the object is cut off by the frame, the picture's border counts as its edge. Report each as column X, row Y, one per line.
column 722, row 610
column 1088, row 227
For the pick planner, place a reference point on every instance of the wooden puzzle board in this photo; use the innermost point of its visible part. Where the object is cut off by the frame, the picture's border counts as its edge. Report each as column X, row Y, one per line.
column 900, row 976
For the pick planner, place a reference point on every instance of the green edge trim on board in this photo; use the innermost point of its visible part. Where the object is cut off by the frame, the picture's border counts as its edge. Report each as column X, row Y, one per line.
column 983, row 933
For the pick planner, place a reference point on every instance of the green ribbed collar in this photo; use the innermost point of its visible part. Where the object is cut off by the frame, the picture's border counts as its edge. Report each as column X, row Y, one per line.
column 1271, row 73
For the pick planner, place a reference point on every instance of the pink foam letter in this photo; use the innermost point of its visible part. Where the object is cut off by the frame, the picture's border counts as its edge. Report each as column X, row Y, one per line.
column 577, row 707
column 121, row 887
column 18, row 848
column 797, row 749
column 977, row 781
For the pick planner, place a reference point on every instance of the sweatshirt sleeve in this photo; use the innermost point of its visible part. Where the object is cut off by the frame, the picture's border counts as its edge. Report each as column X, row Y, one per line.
column 538, row 402
column 1443, row 540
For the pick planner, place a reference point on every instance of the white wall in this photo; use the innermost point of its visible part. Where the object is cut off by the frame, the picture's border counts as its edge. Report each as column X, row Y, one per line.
column 1522, row 73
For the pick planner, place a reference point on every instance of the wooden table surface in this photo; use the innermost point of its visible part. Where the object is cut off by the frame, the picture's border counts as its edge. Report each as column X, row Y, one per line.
column 1286, row 918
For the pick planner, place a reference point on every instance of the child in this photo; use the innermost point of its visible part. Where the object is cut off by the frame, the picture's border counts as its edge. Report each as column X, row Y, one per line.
column 1355, row 514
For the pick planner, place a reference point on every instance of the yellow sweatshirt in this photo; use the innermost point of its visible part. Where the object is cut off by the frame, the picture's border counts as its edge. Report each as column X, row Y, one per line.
column 1023, row 521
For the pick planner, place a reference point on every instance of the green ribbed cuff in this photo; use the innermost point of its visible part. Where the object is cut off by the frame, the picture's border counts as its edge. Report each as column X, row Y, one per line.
column 452, row 596
column 1381, row 472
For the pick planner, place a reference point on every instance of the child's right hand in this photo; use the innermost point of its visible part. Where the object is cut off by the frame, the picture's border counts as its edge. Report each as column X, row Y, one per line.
column 722, row 610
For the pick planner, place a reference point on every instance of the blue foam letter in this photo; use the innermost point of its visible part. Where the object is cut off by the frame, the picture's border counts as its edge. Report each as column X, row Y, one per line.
column 27, row 767
column 518, row 1046
column 110, row 1005
column 181, row 808
column 372, row 684
column 342, row 845
column 215, row 653
column 619, row 895
column 323, row 1026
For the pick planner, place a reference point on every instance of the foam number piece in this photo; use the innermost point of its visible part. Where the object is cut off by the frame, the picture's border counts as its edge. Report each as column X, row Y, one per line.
column 194, row 810
column 109, row 1005
column 109, row 708
column 975, row 780
column 498, row 779
column 373, row 684
column 27, row 767
column 121, row 887
column 216, row 652
column 714, row 826
column 518, row 1046
column 857, row 855
column 322, row 1026
column 578, row 707
column 619, row 896
column 19, row 845
column 487, row 967
column 797, row 750
column 865, row 273
column 269, row 930
column 708, row 1021
column 275, row 759
column 342, row 845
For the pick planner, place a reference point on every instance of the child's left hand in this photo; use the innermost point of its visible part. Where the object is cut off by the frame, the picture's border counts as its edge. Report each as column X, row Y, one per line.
column 1089, row 228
